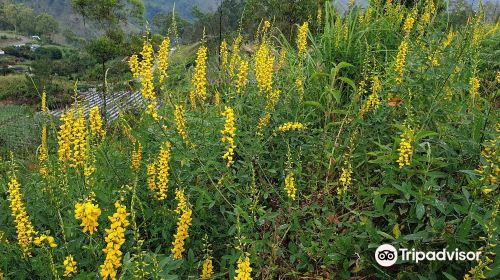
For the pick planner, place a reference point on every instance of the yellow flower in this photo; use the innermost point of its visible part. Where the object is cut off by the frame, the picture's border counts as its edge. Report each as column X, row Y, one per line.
column 136, row 156
column 151, row 171
column 290, row 126
column 114, row 240
column 345, row 179
column 474, row 85
column 69, row 266
column 43, row 155
column 79, row 141
column 228, row 134
column 207, row 268
column 299, row 84
column 89, row 167
column 133, row 63
column 181, row 201
column 241, row 81
column 163, row 171
column 217, row 98
column 146, row 77
column 235, row 55
column 290, row 185
column 182, row 234
column 373, row 101
column 24, row 228
column 405, row 148
column 44, row 102
column 302, row 38
column 498, row 77
column 180, row 123
column 400, row 61
column 410, row 20
column 96, row 127
column 64, row 136
column 199, row 79
column 163, row 59
column 88, row 213
column 224, row 54
column 244, row 270
column 448, row 39
column 264, row 63
column 39, row 240
column 282, row 60
column 263, row 122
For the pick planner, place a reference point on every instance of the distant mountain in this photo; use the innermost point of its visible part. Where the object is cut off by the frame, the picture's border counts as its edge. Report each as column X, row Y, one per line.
column 63, row 12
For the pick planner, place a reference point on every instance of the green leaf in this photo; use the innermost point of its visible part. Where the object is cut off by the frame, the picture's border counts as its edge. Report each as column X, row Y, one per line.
column 449, row 276
column 386, row 235
column 349, row 82
column 314, row 104
column 420, row 210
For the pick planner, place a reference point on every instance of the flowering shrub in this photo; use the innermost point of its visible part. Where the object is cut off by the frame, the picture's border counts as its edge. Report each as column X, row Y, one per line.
column 285, row 161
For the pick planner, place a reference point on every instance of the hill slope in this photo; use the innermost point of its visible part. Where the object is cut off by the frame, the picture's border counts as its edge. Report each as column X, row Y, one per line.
column 63, row 12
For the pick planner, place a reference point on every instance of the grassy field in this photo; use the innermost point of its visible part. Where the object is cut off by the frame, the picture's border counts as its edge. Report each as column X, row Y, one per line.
column 293, row 160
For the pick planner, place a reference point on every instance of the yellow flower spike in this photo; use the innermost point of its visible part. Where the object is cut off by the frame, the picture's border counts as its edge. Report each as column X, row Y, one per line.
column 224, row 54
column 290, row 185
column 264, row 63
column 242, row 80
column 181, row 201
column 182, row 234
column 79, row 153
column 25, row 230
column 151, row 172
column 345, row 179
column 235, row 55
column 228, row 134
column 88, row 213
column 180, row 123
column 373, row 101
column 136, row 157
column 410, row 20
column 163, row 59
column 401, row 61
column 199, row 79
column 474, row 85
column 96, row 126
column 302, row 39
column 43, row 155
column 405, row 148
column 114, row 240
column 146, row 77
column 163, row 170
column 448, row 39
column 282, row 59
column 207, row 270
column 133, row 63
column 69, row 266
column 43, row 106
column 243, row 270
column 64, row 137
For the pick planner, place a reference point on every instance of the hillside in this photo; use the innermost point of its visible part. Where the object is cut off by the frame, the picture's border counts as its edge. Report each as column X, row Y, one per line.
column 63, row 12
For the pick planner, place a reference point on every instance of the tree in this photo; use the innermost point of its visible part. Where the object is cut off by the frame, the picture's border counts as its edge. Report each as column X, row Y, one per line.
column 285, row 14
column 46, row 25
column 103, row 49
column 107, row 14
column 19, row 16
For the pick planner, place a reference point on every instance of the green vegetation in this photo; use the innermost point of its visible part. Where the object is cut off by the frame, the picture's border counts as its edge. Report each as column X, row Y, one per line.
column 291, row 150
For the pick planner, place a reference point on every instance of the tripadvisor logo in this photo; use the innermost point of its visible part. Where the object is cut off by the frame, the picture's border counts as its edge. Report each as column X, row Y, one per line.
column 387, row 255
